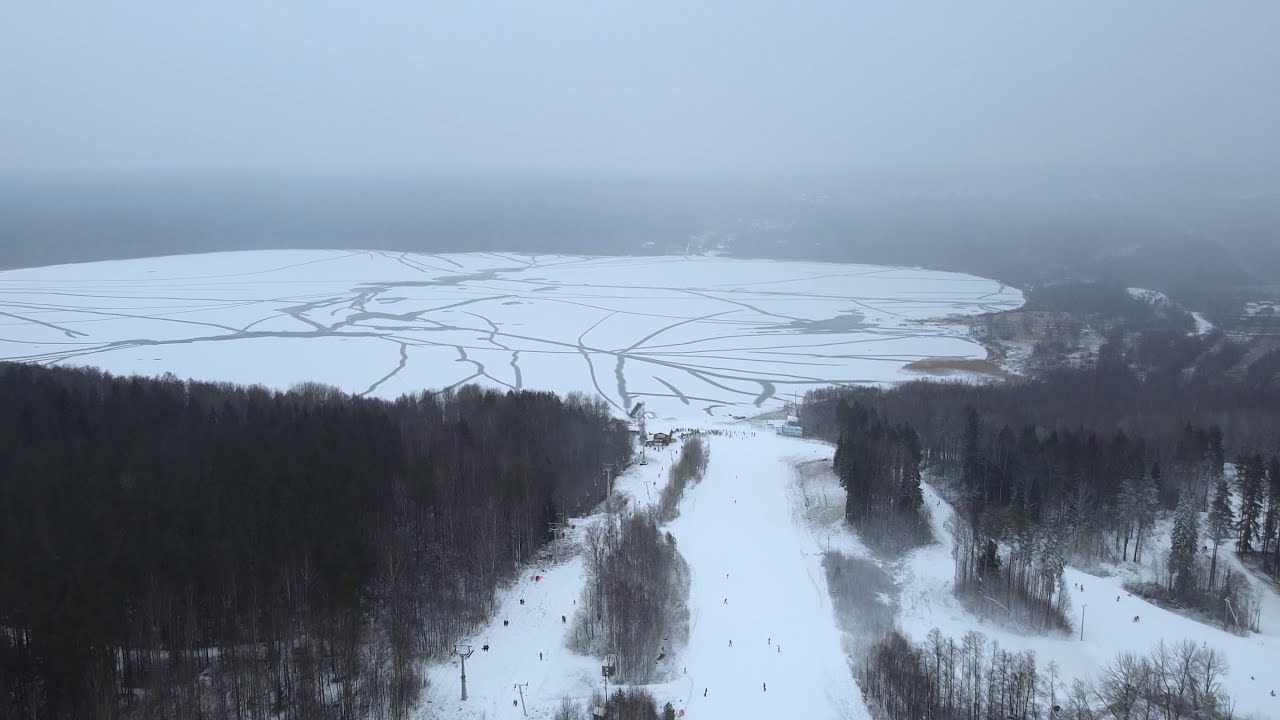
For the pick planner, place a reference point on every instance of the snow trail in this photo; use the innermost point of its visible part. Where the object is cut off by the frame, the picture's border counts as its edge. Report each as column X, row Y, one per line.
column 738, row 522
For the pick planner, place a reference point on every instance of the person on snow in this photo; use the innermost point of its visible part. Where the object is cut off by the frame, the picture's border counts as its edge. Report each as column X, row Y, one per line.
column 726, row 601
column 539, row 657
column 704, row 692
column 485, row 647
column 506, row 623
column 730, row 643
column 764, row 687
column 779, row 648
column 563, row 619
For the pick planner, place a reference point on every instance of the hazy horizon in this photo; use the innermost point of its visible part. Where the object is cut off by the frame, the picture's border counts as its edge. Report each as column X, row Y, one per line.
column 660, row 89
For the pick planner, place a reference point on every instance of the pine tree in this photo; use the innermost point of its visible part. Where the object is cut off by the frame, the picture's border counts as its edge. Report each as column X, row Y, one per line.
column 1183, row 545
column 1214, row 452
column 1126, row 515
column 1271, row 525
column 971, row 471
column 1252, row 473
column 910, row 496
column 1273, row 470
column 1221, row 523
column 1148, row 501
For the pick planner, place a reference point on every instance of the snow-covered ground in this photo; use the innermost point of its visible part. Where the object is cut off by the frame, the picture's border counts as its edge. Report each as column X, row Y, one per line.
column 534, row 627
column 926, row 602
column 1158, row 299
column 1261, row 307
column 1151, row 297
column 687, row 335
column 757, row 581
column 753, row 533
column 694, row 338
column 1203, row 325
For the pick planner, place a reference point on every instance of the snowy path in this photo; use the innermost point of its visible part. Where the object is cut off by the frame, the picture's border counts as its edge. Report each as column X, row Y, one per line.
column 738, row 522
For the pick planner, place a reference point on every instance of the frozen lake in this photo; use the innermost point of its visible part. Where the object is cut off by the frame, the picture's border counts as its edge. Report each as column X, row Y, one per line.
column 685, row 335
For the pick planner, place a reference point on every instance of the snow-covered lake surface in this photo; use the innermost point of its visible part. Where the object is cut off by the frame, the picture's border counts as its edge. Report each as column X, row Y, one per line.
column 686, row 335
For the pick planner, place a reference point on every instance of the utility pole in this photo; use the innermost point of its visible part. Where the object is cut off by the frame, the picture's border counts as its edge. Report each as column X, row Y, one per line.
column 606, row 671
column 463, row 652
column 644, row 435
column 608, row 484
column 520, row 687
column 557, row 534
column 1082, row 607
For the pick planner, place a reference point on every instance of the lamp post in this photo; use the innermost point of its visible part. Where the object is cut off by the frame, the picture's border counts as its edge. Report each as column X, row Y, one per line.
column 1082, row 607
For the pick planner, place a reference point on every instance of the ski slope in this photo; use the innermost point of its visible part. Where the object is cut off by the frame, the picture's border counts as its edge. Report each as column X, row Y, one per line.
column 744, row 543
column 534, row 627
column 753, row 536
column 758, row 582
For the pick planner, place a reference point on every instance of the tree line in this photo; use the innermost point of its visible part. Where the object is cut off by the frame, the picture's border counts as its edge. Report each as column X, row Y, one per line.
column 878, row 465
column 975, row 679
column 1078, row 465
column 688, row 469
column 621, row 704
column 179, row 549
column 635, row 600
column 1097, row 453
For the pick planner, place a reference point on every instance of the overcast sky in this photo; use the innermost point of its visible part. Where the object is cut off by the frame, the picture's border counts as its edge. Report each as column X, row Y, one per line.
column 656, row 86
